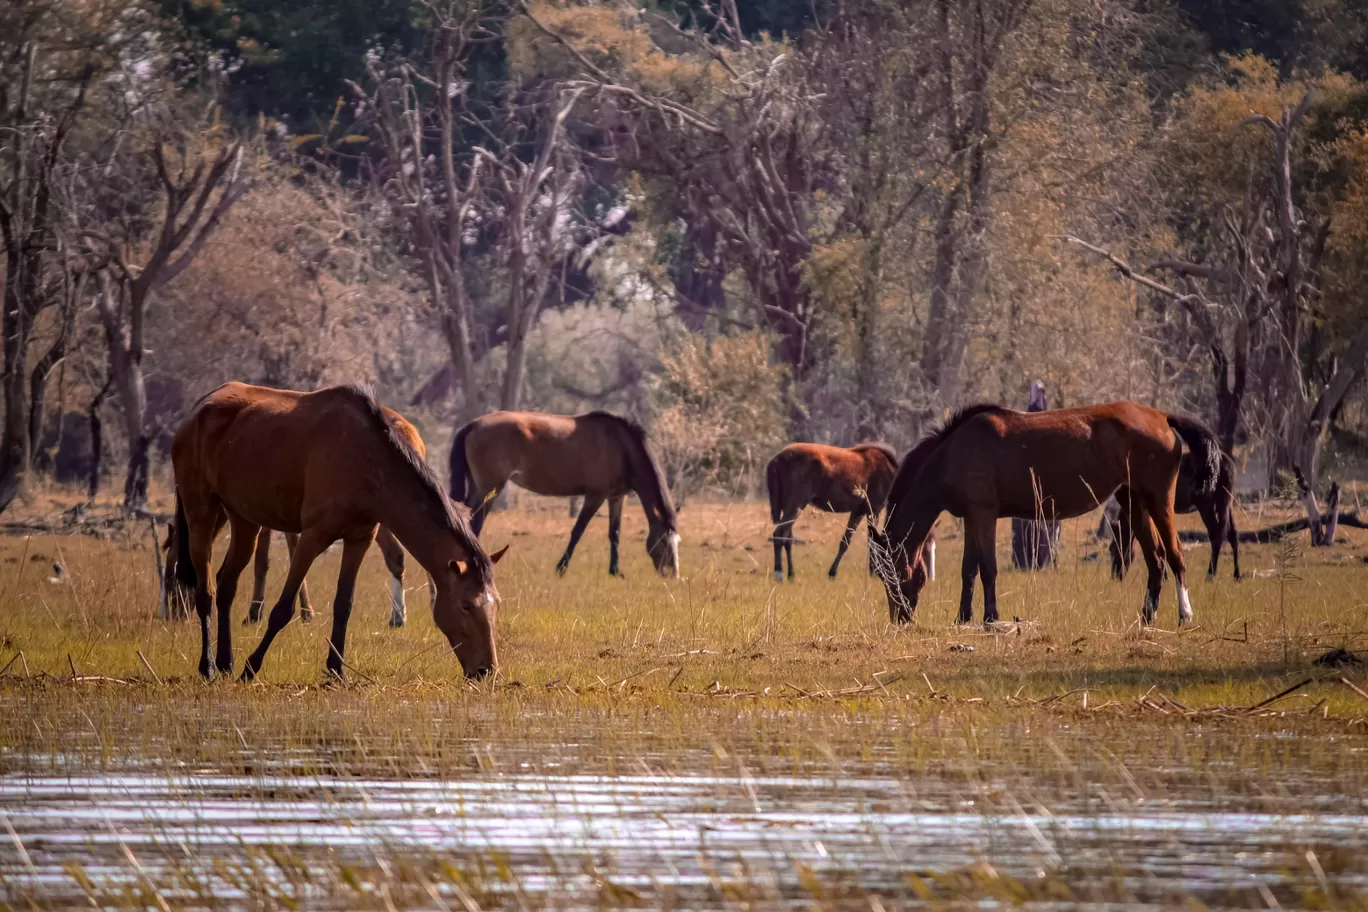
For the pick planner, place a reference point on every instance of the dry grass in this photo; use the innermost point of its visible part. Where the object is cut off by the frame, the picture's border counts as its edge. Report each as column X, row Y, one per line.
column 721, row 672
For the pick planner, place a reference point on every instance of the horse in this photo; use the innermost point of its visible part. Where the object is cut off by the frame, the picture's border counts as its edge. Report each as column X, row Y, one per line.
column 1215, row 509
column 988, row 462
column 852, row 480
column 390, row 549
column 327, row 466
column 598, row 456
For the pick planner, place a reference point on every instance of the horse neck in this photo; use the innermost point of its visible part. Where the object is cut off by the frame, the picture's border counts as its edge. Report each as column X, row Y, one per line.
column 645, row 481
column 910, row 522
column 418, row 525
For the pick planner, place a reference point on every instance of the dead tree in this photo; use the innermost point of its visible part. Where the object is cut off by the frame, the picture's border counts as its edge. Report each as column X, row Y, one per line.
column 191, row 194
column 1254, row 300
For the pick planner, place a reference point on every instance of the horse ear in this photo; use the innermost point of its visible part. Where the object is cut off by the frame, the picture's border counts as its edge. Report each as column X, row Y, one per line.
column 460, row 567
column 495, row 557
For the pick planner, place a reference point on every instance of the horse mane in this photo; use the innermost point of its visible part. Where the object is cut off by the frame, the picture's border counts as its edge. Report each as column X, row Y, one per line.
column 437, row 504
column 917, row 458
column 636, row 433
column 886, row 449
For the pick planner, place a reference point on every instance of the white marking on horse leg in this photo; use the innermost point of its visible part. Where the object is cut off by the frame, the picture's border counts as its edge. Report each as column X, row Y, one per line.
column 162, row 610
column 931, row 560
column 674, row 552
column 398, row 611
column 1184, row 605
column 778, row 576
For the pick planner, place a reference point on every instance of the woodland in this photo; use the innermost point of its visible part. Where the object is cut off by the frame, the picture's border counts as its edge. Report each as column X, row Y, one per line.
column 742, row 222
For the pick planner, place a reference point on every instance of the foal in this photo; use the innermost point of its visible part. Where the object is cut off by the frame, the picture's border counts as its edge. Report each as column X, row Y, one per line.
column 852, row 480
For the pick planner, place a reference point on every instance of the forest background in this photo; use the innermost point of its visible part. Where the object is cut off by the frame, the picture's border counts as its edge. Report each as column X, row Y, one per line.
column 743, row 223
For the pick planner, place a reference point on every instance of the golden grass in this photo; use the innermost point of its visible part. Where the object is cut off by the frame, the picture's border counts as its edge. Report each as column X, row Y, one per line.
column 720, row 672
column 725, row 627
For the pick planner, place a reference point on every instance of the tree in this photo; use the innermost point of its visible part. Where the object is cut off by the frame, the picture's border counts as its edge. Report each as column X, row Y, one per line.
column 173, row 190
column 457, row 175
column 53, row 58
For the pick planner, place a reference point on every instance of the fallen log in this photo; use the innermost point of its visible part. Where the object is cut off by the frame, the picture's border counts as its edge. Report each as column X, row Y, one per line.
column 1279, row 531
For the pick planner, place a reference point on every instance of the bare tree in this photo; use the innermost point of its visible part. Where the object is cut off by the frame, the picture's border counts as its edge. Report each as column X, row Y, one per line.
column 182, row 206
column 1253, row 300
column 34, row 133
column 457, row 176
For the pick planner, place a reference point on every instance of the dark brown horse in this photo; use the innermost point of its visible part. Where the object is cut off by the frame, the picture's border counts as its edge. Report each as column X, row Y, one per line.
column 597, row 456
column 989, row 462
column 389, row 546
column 327, row 466
column 1215, row 508
column 852, row 480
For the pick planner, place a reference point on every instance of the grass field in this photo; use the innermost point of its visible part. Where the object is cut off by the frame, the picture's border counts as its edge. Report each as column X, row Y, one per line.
column 758, row 688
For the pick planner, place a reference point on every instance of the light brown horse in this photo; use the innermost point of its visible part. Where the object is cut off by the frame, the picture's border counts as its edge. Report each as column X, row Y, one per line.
column 598, row 456
column 328, row 466
column 852, row 480
column 989, row 462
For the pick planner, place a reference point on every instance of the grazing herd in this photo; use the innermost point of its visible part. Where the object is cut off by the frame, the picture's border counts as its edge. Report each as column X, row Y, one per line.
column 334, row 465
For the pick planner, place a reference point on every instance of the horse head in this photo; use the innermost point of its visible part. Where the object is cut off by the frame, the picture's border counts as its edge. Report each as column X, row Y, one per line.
column 465, row 610
column 903, row 576
column 662, row 543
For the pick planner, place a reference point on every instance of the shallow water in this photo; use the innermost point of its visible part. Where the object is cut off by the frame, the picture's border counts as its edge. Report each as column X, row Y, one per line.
column 688, row 827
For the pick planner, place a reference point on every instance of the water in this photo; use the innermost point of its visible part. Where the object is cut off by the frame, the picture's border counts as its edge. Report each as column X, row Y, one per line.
column 686, row 826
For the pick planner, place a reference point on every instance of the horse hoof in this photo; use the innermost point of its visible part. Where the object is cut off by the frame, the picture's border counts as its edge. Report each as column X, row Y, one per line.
column 831, row 574
column 306, row 618
column 396, row 623
column 206, row 671
column 561, row 568
column 778, row 576
column 249, row 672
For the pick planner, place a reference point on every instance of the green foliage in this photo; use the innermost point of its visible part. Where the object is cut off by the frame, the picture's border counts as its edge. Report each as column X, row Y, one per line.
column 291, row 59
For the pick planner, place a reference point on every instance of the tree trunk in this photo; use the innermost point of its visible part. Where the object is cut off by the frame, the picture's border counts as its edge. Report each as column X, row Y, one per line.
column 38, row 391
column 133, row 399
column 866, row 355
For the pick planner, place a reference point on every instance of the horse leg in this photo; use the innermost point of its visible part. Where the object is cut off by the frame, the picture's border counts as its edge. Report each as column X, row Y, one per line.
column 591, row 504
column 478, row 500
column 306, row 611
column 240, row 548
column 783, row 542
column 1215, row 533
column 614, row 534
column 259, row 571
column 353, row 552
column 394, row 562
column 869, row 533
column 1143, row 530
column 201, row 545
column 306, row 550
column 846, row 536
column 983, row 530
column 968, row 570
column 1123, row 539
column 1173, row 551
column 1234, row 538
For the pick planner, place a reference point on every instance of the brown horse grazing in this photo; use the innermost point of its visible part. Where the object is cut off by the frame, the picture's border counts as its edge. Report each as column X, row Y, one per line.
column 598, row 456
column 989, row 462
column 1215, row 509
column 327, row 466
column 389, row 546
column 851, row 480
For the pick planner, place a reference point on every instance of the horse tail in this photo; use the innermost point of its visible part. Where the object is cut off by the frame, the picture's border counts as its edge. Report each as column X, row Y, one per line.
column 460, row 467
column 185, row 567
column 774, row 480
column 1206, row 453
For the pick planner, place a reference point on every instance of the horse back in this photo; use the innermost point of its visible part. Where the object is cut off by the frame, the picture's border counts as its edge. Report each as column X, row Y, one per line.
column 833, row 478
column 272, row 455
column 553, row 455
